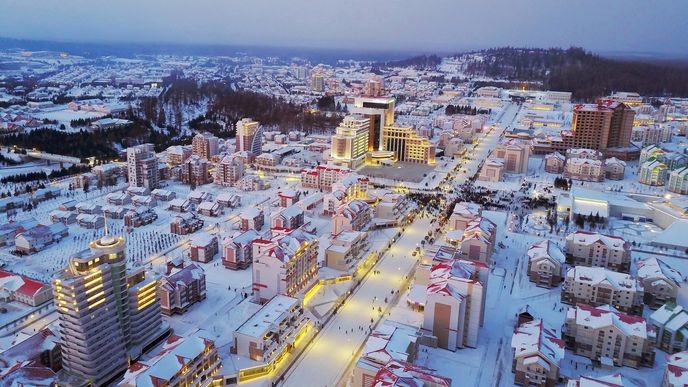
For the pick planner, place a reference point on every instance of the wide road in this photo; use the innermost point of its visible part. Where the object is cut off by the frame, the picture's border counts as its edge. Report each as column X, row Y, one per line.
column 329, row 355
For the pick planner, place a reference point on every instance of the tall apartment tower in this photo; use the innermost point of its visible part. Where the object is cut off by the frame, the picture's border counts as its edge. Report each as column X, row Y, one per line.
column 317, row 83
column 205, row 145
column 600, row 126
column 106, row 317
column 350, row 141
column 380, row 112
column 249, row 136
column 142, row 166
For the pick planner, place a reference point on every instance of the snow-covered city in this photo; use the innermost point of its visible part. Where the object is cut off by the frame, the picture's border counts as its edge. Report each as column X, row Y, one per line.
column 235, row 217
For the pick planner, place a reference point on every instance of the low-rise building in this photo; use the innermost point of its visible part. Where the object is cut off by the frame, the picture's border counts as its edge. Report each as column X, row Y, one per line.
column 139, row 216
column 598, row 286
column 584, row 169
column 492, row 170
column 400, row 374
column 554, row 163
column 678, row 181
column 64, row 217
column 39, row 237
column 288, row 197
column 661, row 281
column 189, row 361
column 15, row 287
column 90, row 221
column 614, row 380
column 545, row 263
column 181, row 288
column 609, row 337
column 251, row 218
column 186, row 223
column 595, row 249
column 179, row 205
column 614, row 169
column 273, row 331
column 352, row 216
column 345, row 250
column 237, row 250
column 163, row 195
column 391, row 340
column 676, row 370
column 290, row 217
column 671, row 323
column 209, row 209
column 203, row 247
column 538, row 352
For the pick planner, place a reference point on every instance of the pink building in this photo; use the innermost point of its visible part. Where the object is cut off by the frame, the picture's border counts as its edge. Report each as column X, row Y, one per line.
column 204, row 247
column 237, row 251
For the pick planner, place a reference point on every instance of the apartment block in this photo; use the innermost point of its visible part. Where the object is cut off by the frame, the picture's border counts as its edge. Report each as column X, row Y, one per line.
column 228, row 171
column 538, row 352
column 676, row 370
column 237, row 250
column 205, row 145
column 661, row 281
column 249, row 136
column 142, row 167
column 671, row 324
column 515, row 155
column 597, row 286
column 595, row 249
column 194, row 171
column 346, row 250
column 609, row 337
column 181, row 288
column 284, row 263
column 545, row 263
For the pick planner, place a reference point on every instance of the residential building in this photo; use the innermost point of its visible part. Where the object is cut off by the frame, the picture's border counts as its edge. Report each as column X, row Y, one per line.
column 249, row 136
column 391, row 340
column 237, row 250
column 676, row 370
column 352, row 216
column 288, row 197
column 614, row 380
column 323, row 177
column 492, row 170
column 610, row 337
column 177, row 154
column 545, row 263
column 36, row 353
column 614, row 169
column 478, row 240
column 213, row 209
column 203, row 247
column 455, row 305
column 251, row 218
column 106, row 317
column 595, row 249
column 653, row 173
column 678, row 181
column 185, row 223
column 182, row 288
column 661, row 281
column 291, row 217
column 597, row 286
column 40, row 237
column 671, row 324
column 538, row 352
column 205, row 145
column 188, row 361
column 317, row 83
column 401, row 374
column 554, row 162
column 228, row 171
column 462, row 214
column 585, row 169
column 346, row 250
column 194, row 171
column 272, row 332
column 142, row 166
column 284, row 263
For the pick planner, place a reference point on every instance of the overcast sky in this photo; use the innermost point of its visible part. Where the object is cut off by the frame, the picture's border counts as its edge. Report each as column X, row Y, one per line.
column 428, row 25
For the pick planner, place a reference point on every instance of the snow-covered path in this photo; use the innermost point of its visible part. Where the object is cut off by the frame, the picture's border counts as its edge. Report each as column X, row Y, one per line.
column 331, row 353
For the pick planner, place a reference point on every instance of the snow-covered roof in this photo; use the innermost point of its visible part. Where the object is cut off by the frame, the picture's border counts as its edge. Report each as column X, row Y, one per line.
column 443, row 274
column 589, row 238
column 202, row 239
column 185, row 276
column 269, row 315
column 546, row 249
column 403, row 374
column 677, row 369
column 534, row 339
column 467, row 209
column 672, row 317
column 606, row 316
column 250, row 213
column 652, row 268
column 596, row 276
column 615, row 380
column 390, row 341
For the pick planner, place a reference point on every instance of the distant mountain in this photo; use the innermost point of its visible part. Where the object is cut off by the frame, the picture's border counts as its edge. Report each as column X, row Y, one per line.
column 587, row 75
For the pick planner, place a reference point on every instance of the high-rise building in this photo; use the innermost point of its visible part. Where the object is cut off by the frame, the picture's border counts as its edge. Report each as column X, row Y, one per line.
column 205, row 145
column 605, row 125
column 317, row 83
column 373, row 87
column 194, row 171
column 407, row 145
column 106, row 317
column 142, row 166
column 380, row 113
column 249, row 135
column 350, row 141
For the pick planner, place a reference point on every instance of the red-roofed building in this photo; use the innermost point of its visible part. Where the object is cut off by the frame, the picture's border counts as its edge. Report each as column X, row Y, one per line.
column 181, row 289
column 403, row 374
column 538, row 352
column 23, row 289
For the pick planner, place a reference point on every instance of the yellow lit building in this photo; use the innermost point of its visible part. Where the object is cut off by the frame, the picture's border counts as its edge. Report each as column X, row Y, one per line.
column 350, row 141
column 407, row 145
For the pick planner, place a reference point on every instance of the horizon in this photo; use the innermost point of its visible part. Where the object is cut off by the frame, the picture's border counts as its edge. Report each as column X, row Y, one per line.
column 446, row 27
